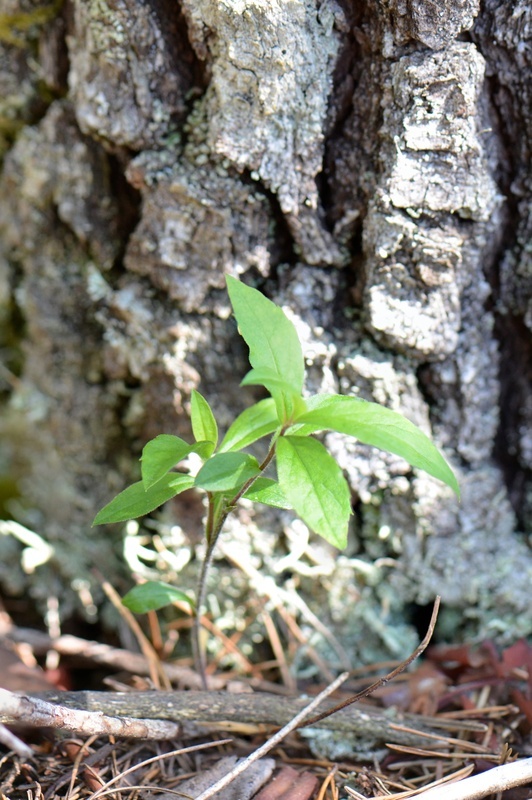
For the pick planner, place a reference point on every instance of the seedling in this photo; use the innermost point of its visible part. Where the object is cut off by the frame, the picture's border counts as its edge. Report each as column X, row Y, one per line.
column 309, row 481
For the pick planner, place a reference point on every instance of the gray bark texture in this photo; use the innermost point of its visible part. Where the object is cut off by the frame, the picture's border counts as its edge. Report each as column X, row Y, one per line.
column 368, row 166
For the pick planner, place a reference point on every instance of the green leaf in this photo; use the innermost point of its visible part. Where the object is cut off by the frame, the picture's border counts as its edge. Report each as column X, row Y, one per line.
column 204, row 425
column 255, row 422
column 267, row 491
column 267, row 378
column 135, row 501
column 152, row 595
column 227, row 471
column 271, row 337
column 160, row 455
column 203, row 449
column 376, row 425
column 288, row 403
column 313, row 483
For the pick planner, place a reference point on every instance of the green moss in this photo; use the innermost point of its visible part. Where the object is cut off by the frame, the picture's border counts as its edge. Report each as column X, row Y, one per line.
column 16, row 29
column 9, row 491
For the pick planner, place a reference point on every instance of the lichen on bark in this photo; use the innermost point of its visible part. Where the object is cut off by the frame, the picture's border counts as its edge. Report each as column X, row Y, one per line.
column 271, row 74
column 504, row 33
column 419, row 251
column 52, row 225
column 31, row 67
column 197, row 224
column 117, row 96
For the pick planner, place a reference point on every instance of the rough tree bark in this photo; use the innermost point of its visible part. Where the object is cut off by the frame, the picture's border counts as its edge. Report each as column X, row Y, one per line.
column 368, row 165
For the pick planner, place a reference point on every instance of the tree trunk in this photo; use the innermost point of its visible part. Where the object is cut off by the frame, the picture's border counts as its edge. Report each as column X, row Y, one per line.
column 368, row 166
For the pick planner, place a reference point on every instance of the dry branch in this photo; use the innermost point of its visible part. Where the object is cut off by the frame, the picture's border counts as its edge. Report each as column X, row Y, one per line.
column 490, row 782
column 12, row 742
column 260, row 708
column 38, row 713
column 385, row 678
column 274, row 740
column 98, row 653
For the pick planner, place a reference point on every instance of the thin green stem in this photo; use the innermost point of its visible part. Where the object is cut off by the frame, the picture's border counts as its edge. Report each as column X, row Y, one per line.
column 200, row 660
column 269, row 456
column 209, row 525
column 213, row 528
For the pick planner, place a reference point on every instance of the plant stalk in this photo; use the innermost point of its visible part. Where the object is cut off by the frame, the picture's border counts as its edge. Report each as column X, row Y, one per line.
column 213, row 528
column 200, row 660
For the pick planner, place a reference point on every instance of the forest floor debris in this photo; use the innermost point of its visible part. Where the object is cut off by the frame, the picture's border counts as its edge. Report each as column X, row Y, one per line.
column 469, row 709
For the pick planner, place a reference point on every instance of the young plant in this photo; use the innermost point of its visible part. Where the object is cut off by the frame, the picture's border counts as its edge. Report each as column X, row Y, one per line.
column 309, row 481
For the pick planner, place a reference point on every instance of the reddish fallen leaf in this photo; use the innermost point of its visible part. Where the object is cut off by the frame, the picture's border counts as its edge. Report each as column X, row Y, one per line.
column 289, row 785
column 278, row 785
column 517, row 656
column 524, row 705
column 420, row 693
column 509, row 672
column 457, row 658
column 302, row 789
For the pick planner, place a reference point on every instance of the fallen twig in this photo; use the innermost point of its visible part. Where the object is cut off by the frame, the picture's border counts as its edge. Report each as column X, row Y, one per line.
column 181, row 751
column 38, row 713
column 109, row 656
column 386, row 678
column 244, row 787
column 274, row 740
column 373, row 726
column 12, row 742
column 412, row 794
column 499, row 779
